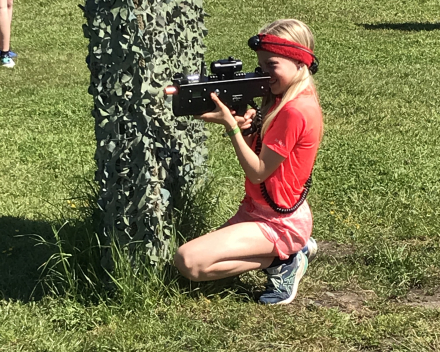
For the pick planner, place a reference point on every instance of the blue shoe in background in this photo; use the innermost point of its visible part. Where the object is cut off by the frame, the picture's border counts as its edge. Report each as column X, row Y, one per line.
column 11, row 54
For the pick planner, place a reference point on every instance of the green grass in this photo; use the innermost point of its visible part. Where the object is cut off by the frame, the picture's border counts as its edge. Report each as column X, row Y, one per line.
column 374, row 285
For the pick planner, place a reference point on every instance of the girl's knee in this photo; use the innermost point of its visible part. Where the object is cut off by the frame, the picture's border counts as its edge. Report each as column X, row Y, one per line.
column 179, row 260
column 187, row 264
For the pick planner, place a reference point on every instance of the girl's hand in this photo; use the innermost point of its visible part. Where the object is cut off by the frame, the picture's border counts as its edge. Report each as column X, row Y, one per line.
column 220, row 115
column 244, row 122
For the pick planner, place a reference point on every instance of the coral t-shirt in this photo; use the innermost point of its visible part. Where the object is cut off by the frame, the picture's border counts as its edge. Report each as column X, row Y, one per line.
column 294, row 133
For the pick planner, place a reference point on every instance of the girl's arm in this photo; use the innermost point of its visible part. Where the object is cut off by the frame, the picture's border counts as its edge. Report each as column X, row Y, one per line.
column 257, row 168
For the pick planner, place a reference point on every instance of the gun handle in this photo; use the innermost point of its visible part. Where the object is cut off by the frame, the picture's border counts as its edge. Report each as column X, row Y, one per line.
column 250, row 130
column 240, row 110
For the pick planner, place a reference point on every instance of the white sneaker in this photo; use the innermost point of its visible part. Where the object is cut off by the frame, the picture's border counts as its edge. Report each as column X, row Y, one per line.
column 310, row 249
column 7, row 62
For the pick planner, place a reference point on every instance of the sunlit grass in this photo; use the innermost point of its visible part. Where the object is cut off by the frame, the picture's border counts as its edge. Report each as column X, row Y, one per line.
column 375, row 195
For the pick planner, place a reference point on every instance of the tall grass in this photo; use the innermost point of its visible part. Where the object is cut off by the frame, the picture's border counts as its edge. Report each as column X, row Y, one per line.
column 75, row 270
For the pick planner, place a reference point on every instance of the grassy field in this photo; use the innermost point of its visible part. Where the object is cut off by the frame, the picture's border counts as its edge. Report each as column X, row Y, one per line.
column 375, row 283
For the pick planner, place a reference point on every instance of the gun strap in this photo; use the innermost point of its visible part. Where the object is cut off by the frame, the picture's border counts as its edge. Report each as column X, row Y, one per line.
column 265, row 193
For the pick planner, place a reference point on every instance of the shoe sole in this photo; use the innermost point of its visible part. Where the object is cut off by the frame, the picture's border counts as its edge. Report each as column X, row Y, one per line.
column 8, row 65
column 298, row 276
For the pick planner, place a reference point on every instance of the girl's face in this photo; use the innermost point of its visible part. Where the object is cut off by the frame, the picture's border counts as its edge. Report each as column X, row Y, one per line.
column 282, row 70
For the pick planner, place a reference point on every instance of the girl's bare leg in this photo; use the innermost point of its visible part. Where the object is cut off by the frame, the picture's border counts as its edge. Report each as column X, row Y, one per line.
column 5, row 26
column 226, row 252
column 10, row 6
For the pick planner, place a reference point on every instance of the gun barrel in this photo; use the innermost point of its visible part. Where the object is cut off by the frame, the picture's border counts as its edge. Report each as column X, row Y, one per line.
column 170, row 90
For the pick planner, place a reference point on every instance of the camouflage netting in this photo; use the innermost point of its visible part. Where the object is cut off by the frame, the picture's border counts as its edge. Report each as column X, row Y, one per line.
column 145, row 156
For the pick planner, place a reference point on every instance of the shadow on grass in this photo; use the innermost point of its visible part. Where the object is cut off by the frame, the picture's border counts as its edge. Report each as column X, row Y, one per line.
column 30, row 260
column 20, row 257
column 24, row 250
column 73, row 253
column 244, row 289
column 407, row 26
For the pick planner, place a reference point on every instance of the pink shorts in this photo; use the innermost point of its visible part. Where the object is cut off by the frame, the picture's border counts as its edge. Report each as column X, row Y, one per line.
column 288, row 232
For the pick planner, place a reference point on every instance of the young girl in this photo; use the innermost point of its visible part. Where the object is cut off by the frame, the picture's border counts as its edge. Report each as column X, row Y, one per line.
column 267, row 232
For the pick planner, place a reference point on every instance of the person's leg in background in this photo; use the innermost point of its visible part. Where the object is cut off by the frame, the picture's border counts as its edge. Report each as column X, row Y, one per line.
column 10, row 7
column 5, row 33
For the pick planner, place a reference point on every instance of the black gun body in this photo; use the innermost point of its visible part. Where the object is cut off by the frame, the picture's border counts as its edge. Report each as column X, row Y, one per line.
column 194, row 98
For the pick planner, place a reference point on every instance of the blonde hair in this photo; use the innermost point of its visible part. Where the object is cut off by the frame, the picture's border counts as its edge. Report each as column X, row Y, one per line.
column 295, row 31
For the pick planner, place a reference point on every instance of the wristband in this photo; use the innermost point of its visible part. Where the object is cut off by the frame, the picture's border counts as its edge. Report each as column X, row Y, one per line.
column 232, row 132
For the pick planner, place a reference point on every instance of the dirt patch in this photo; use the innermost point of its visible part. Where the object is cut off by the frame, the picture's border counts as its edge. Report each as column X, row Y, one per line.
column 335, row 249
column 421, row 298
column 345, row 301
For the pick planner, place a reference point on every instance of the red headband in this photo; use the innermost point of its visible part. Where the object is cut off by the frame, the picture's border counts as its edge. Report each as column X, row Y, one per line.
column 277, row 45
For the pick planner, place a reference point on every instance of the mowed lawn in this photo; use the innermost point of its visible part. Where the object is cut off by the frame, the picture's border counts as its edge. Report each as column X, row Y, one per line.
column 375, row 198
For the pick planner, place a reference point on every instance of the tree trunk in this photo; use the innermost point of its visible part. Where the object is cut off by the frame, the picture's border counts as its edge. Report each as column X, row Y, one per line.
column 145, row 156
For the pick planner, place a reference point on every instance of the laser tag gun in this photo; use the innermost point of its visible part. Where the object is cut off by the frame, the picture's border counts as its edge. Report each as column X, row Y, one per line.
column 236, row 89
